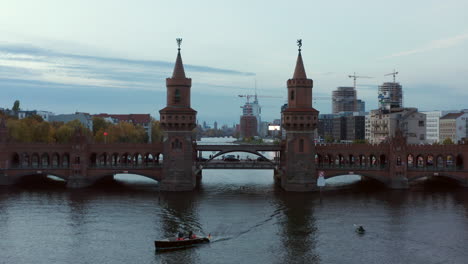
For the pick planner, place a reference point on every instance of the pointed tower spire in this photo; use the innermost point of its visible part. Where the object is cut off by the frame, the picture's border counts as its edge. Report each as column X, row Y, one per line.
column 299, row 71
column 179, row 72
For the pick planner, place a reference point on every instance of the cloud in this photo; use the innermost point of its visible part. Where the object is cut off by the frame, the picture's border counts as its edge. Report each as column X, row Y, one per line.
column 435, row 44
column 23, row 62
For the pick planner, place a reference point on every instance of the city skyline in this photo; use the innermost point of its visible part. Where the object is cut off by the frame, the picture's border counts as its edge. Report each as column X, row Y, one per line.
column 69, row 64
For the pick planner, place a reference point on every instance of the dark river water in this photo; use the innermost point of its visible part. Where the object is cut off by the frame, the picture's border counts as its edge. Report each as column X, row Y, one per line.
column 250, row 220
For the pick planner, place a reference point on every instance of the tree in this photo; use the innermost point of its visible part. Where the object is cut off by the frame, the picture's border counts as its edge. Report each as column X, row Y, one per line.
column 156, row 131
column 99, row 123
column 359, row 141
column 16, row 106
column 329, row 139
column 447, row 141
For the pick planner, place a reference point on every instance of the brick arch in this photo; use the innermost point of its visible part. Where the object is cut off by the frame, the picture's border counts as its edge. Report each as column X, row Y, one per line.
column 102, row 159
column 362, row 160
column 459, row 179
column 115, row 159
column 15, row 160
column 65, row 160
column 93, row 158
column 35, row 160
column 25, row 159
column 440, row 162
column 243, row 151
column 137, row 159
column 100, row 176
column 430, row 160
column 379, row 178
column 420, row 161
column 410, row 160
column 55, row 160
column 45, row 160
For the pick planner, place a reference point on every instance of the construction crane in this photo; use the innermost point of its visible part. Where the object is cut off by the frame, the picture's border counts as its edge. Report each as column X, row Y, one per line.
column 248, row 96
column 394, row 73
column 354, row 76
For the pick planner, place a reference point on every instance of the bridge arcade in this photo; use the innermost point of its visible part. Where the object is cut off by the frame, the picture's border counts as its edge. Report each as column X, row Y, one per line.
column 174, row 163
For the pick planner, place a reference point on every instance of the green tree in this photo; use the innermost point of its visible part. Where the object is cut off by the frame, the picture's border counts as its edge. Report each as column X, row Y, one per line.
column 16, row 106
column 156, row 131
column 329, row 139
column 447, row 141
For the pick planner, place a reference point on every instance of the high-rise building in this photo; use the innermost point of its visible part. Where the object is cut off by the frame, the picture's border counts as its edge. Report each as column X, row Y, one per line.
column 325, row 126
column 390, row 96
column 361, row 106
column 248, row 126
column 339, row 128
column 253, row 109
column 454, row 126
column 344, row 100
column 355, row 127
column 433, row 124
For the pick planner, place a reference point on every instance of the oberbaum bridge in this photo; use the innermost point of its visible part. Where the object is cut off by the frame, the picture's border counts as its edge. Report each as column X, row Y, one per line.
column 174, row 163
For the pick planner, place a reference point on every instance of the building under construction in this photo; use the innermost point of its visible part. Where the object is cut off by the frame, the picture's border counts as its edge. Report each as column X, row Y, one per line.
column 390, row 96
column 250, row 119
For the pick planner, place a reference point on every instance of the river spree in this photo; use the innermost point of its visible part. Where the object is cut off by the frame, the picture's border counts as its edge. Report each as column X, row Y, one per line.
column 250, row 220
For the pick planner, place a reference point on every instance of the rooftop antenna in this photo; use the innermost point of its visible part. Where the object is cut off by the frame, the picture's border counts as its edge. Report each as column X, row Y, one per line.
column 394, row 73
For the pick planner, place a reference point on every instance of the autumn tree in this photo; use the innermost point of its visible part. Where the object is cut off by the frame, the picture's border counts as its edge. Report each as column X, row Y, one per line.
column 156, row 131
column 447, row 141
column 99, row 124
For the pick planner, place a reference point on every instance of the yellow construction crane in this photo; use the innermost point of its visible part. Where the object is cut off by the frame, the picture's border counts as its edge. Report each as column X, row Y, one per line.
column 394, row 73
column 354, row 76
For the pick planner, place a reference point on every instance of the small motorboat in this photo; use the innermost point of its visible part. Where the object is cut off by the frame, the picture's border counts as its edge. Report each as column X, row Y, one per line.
column 174, row 243
column 360, row 230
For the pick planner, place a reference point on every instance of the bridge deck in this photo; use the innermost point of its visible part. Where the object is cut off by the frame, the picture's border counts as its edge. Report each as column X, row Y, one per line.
column 240, row 148
column 248, row 165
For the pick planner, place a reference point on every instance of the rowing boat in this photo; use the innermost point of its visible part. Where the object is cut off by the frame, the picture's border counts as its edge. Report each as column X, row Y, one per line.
column 173, row 243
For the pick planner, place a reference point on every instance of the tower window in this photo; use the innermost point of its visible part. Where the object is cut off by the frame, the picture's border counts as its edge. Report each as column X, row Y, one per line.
column 176, row 144
column 177, row 96
column 292, row 95
column 301, row 145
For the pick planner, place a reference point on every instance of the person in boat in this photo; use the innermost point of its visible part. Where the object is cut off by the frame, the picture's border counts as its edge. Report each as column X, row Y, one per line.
column 361, row 229
column 180, row 236
column 191, row 235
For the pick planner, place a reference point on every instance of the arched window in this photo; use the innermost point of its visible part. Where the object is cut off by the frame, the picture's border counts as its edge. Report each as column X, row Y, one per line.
column 177, row 96
column 398, row 161
column 292, row 95
column 176, row 144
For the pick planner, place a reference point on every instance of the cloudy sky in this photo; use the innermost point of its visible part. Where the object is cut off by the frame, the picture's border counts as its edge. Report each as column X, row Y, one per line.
column 113, row 56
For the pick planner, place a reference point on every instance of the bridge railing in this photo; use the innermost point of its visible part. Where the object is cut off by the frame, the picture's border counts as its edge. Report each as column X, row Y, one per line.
column 351, row 167
column 127, row 166
column 39, row 166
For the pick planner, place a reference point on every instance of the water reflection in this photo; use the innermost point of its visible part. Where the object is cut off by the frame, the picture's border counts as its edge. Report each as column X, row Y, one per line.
column 298, row 227
column 179, row 213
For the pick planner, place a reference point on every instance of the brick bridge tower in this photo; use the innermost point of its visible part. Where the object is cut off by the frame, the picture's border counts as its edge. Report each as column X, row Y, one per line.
column 299, row 120
column 178, row 120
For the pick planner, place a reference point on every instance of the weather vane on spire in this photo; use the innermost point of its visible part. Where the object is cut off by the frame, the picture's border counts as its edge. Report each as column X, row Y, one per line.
column 299, row 44
column 179, row 41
